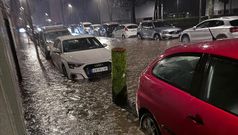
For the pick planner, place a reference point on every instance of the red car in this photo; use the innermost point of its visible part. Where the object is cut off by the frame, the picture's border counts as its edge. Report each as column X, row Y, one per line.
column 191, row 90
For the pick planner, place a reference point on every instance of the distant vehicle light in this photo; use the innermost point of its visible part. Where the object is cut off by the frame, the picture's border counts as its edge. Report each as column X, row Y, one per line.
column 39, row 29
column 22, row 30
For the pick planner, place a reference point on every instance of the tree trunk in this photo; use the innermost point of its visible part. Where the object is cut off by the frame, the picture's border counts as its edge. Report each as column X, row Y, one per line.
column 133, row 12
column 156, row 10
column 210, row 8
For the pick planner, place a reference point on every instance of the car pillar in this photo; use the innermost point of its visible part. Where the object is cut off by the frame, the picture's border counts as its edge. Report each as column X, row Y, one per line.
column 119, row 87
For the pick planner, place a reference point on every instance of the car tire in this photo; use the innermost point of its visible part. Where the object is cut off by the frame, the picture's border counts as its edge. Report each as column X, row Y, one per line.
column 148, row 125
column 221, row 36
column 156, row 37
column 47, row 55
column 139, row 36
column 123, row 36
column 185, row 39
column 65, row 71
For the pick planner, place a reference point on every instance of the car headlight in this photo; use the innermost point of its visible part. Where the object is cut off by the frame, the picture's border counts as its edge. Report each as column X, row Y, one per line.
column 73, row 65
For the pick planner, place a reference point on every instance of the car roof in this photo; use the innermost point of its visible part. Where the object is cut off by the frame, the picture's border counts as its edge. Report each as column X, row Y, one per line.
column 226, row 48
column 86, row 23
column 54, row 28
column 227, row 18
column 96, row 24
column 110, row 23
column 129, row 24
column 68, row 37
column 158, row 20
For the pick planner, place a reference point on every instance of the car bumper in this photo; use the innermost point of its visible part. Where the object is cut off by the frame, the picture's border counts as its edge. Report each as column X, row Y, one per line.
column 90, row 71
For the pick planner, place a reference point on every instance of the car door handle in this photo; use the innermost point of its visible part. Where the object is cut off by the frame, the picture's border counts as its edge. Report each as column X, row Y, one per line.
column 197, row 119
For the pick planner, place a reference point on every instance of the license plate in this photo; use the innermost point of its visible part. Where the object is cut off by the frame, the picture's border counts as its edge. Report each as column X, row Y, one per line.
column 100, row 69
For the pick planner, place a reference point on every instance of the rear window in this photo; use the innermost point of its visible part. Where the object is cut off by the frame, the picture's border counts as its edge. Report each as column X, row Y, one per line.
column 87, row 25
column 132, row 27
column 234, row 22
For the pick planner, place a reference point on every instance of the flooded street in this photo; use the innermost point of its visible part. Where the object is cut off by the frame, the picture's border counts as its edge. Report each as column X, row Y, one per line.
column 54, row 105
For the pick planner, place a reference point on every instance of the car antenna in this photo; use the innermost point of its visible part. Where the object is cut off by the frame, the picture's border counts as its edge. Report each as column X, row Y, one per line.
column 213, row 38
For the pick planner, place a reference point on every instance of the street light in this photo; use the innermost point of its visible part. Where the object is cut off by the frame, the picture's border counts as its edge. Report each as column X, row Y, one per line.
column 70, row 12
column 99, row 10
column 69, row 5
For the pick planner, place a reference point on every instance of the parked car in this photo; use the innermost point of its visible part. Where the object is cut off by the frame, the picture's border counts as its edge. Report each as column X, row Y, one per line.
column 82, row 56
column 157, row 30
column 95, row 29
column 85, row 27
column 107, row 29
column 74, row 29
column 125, row 31
column 220, row 28
column 191, row 90
column 47, row 36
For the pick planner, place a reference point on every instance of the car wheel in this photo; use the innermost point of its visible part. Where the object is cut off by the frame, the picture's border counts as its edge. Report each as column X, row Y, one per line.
column 139, row 36
column 156, row 37
column 148, row 125
column 185, row 39
column 221, row 36
column 64, row 71
column 123, row 36
column 47, row 55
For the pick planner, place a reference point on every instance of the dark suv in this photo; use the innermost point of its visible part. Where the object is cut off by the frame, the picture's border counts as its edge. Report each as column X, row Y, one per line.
column 107, row 28
column 157, row 30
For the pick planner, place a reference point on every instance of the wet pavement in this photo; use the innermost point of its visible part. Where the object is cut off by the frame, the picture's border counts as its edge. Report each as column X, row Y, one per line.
column 54, row 105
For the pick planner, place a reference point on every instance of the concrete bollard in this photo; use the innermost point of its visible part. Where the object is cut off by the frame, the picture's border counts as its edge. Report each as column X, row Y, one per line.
column 119, row 87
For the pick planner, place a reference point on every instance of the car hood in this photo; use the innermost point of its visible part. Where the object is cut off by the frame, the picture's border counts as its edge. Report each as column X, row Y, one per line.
column 88, row 56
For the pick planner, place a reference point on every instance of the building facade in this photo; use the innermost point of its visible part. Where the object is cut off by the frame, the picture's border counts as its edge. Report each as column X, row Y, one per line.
column 218, row 7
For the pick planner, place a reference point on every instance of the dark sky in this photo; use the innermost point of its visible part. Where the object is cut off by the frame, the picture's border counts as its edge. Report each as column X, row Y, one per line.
column 87, row 9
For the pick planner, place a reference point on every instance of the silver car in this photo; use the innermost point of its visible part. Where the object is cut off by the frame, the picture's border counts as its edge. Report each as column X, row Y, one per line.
column 219, row 28
column 157, row 30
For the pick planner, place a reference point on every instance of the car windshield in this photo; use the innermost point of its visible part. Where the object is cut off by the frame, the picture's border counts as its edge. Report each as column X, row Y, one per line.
column 132, row 27
column 51, row 36
column 161, row 24
column 81, row 44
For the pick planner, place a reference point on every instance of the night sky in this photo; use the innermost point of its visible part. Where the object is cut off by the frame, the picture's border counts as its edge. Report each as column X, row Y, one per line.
column 87, row 9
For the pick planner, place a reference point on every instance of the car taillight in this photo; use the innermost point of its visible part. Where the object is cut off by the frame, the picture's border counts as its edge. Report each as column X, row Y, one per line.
column 233, row 29
column 126, row 29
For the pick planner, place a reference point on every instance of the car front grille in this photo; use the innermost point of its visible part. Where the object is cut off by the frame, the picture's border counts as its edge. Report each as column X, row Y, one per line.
column 89, row 69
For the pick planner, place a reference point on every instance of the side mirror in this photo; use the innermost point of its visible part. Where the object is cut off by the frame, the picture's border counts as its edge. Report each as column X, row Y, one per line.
column 194, row 27
column 105, row 45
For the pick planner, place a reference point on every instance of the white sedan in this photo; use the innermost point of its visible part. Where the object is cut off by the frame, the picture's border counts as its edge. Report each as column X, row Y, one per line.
column 80, row 57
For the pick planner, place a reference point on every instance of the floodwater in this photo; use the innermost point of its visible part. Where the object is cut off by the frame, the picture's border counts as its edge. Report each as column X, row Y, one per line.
column 54, row 105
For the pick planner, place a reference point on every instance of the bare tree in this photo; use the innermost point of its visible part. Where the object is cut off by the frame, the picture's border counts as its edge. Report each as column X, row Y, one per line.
column 133, row 12
column 211, row 8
